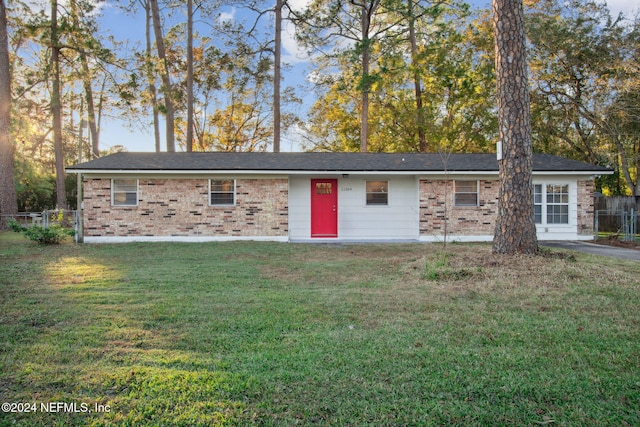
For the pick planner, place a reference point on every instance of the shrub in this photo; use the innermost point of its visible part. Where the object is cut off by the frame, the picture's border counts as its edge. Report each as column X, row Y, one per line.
column 53, row 234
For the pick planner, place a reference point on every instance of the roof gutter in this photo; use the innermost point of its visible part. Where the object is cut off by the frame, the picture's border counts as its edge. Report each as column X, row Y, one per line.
column 310, row 172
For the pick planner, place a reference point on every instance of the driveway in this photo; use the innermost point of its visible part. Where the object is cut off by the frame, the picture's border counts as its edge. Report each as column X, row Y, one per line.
column 595, row 249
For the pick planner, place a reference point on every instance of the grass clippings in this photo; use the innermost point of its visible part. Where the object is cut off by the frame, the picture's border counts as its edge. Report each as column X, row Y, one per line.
column 246, row 333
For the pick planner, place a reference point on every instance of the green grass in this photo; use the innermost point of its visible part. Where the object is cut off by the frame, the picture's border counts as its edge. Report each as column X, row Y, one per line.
column 272, row 334
column 614, row 236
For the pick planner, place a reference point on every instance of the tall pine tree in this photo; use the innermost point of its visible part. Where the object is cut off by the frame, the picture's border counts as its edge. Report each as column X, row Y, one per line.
column 8, row 200
column 515, row 227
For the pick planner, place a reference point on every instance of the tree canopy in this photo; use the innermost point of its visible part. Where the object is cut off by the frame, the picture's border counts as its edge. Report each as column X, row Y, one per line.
column 382, row 75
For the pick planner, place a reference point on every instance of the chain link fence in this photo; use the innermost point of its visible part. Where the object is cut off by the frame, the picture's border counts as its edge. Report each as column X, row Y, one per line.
column 622, row 224
column 64, row 218
column 616, row 217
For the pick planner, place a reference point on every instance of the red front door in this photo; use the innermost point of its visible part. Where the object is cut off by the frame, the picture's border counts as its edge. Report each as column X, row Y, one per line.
column 324, row 208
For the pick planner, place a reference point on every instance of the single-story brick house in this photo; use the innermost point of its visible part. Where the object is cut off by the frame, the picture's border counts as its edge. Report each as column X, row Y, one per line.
column 321, row 197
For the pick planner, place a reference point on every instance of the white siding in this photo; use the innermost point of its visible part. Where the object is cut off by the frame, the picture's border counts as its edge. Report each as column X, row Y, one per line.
column 561, row 231
column 356, row 221
column 299, row 208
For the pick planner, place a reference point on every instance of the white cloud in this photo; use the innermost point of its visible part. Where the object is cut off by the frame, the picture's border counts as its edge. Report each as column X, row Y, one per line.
column 45, row 6
column 298, row 5
column 227, row 16
column 626, row 7
column 294, row 53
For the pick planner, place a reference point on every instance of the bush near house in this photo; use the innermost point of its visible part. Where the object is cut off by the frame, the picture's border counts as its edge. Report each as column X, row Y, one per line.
column 53, row 234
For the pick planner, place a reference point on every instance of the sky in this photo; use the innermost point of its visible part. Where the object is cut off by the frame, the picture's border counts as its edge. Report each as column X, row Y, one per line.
column 123, row 26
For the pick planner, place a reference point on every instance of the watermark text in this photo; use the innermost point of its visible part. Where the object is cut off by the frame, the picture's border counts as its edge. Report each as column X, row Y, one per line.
column 55, row 407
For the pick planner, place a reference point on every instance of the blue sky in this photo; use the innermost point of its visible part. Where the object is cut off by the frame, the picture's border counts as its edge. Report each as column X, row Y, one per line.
column 128, row 27
column 123, row 26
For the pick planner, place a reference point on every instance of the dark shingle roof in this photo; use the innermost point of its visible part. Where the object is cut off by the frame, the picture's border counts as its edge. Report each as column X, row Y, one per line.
column 356, row 162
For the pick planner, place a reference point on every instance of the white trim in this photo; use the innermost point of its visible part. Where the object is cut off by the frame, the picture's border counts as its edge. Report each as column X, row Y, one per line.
column 542, row 236
column 566, row 230
column 113, row 193
column 455, row 193
column 544, row 203
column 457, row 238
column 285, row 239
column 238, row 172
column 339, row 241
column 388, row 192
column 185, row 239
column 222, row 205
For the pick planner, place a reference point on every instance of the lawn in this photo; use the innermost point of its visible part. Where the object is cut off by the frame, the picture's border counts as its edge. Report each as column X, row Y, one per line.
column 271, row 334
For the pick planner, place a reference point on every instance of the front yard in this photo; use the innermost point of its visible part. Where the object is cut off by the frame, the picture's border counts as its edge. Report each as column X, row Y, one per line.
column 275, row 334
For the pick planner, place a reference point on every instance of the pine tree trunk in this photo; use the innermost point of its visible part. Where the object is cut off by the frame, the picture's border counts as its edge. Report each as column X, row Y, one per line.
column 56, row 110
column 366, row 80
column 189, row 76
column 91, row 111
column 151, row 77
column 87, row 84
column 8, row 200
column 276, row 77
column 515, row 230
column 166, row 79
column 417, row 82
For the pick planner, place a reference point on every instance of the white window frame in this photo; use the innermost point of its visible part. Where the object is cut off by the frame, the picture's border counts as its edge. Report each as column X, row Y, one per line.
column 115, row 190
column 456, row 193
column 541, row 200
column 538, row 204
column 233, row 192
column 366, row 192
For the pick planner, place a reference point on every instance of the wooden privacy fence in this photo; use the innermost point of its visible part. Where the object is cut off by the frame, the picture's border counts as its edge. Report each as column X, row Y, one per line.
column 617, row 215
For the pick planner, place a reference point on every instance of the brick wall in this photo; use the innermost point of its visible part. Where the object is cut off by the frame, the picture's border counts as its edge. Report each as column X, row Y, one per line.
column 435, row 195
column 481, row 220
column 180, row 207
column 586, row 209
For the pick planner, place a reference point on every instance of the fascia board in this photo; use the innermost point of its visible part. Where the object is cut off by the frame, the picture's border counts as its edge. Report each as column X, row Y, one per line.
column 591, row 174
column 266, row 172
column 103, row 172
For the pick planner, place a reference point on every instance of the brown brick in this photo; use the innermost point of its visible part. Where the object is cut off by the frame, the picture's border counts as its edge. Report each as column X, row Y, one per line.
column 469, row 221
column 179, row 207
